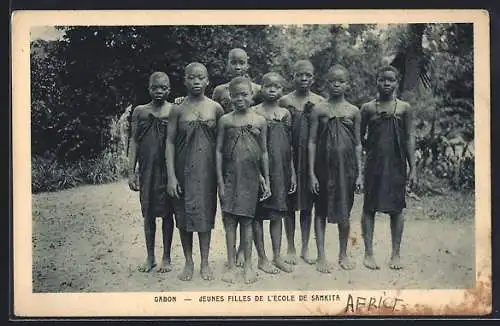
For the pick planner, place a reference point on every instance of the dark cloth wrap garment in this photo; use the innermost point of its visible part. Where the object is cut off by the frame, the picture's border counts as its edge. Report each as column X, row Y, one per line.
column 303, row 198
column 196, row 174
column 151, row 137
column 241, row 170
column 279, row 150
column 385, row 170
column 336, row 168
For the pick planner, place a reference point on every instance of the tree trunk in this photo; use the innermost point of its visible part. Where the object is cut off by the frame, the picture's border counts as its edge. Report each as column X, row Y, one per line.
column 413, row 58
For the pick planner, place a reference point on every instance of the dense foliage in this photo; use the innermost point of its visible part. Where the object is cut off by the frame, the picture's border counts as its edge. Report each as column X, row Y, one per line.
column 81, row 85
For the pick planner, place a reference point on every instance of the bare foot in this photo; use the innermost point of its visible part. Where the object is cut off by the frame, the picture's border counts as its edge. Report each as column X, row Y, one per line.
column 280, row 263
column 370, row 263
column 291, row 258
column 346, row 263
column 240, row 258
column 250, row 275
column 165, row 266
column 322, row 266
column 229, row 275
column 206, row 272
column 187, row 273
column 305, row 257
column 267, row 267
column 395, row 263
column 147, row 267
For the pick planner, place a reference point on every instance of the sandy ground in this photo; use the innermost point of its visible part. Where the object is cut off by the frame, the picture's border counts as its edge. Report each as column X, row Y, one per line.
column 90, row 239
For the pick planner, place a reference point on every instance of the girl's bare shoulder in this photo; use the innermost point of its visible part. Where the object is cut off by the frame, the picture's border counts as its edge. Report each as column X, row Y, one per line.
column 353, row 109
column 257, row 118
column 166, row 110
column 283, row 112
column 226, row 118
column 285, row 100
column 141, row 110
column 256, row 108
column 321, row 107
column 316, row 98
column 368, row 106
column 213, row 104
column 176, row 109
column 403, row 105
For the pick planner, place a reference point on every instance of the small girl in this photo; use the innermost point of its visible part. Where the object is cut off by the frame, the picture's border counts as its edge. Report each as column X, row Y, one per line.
column 241, row 158
column 281, row 171
column 147, row 148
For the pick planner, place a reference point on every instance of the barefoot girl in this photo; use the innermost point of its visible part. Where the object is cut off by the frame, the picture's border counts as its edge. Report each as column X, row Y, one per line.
column 241, row 157
column 334, row 164
column 191, row 167
column 390, row 145
column 237, row 65
column 147, row 148
column 300, row 103
column 281, row 174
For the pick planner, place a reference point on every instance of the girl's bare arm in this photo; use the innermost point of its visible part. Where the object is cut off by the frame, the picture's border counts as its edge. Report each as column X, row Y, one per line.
column 170, row 150
column 263, row 147
column 410, row 136
column 357, row 137
column 132, row 153
column 311, row 145
column 221, row 125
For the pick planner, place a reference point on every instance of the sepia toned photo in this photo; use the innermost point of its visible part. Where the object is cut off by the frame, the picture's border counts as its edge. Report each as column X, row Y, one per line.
column 251, row 163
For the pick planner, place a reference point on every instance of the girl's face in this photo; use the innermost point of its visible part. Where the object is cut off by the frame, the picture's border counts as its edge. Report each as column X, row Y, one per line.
column 272, row 88
column 241, row 96
column 303, row 77
column 237, row 64
column 159, row 88
column 337, row 82
column 387, row 82
column 196, row 80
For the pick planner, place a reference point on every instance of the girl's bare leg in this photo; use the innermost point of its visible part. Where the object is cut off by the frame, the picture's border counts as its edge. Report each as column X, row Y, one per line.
column 397, row 225
column 167, row 229
column 344, row 261
column 187, row 247
column 204, row 239
column 230, row 223
column 305, row 232
column 247, row 241
column 367, row 226
column 258, row 237
column 275, row 228
column 319, row 229
column 149, row 233
column 291, row 257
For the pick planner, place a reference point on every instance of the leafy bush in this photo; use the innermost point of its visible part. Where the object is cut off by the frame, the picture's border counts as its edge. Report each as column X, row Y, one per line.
column 50, row 174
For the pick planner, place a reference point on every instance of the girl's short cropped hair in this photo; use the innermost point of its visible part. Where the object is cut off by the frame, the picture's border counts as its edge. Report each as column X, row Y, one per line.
column 388, row 68
column 338, row 67
column 303, row 64
column 270, row 75
column 158, row 75
column 238, row 81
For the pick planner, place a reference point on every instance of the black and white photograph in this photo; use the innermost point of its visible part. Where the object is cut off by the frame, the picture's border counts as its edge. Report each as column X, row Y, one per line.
column 234, row 163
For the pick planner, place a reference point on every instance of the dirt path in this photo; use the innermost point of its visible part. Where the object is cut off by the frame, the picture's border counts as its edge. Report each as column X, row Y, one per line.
column 90, row 239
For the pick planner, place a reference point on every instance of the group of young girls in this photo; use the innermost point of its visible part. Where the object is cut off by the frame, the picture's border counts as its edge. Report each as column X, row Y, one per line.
column 268, row 156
